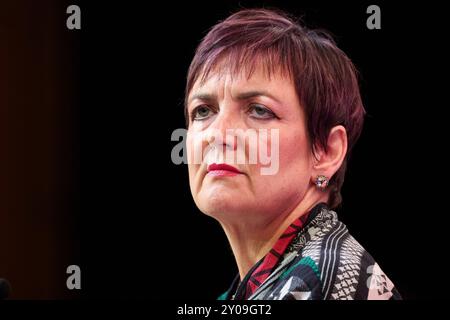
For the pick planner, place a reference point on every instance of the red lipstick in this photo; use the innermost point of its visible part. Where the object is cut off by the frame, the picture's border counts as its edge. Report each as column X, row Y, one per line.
column 222, row 170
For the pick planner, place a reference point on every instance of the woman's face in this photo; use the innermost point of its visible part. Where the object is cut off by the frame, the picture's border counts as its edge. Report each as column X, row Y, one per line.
column 260, row 107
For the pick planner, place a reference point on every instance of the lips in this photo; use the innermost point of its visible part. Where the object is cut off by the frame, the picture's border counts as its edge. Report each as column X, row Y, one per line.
column 222, row 170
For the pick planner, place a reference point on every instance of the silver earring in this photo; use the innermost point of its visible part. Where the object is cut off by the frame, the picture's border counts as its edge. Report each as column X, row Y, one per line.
column 321, row 182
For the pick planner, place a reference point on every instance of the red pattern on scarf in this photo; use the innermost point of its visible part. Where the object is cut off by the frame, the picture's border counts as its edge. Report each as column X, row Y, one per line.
column 272, row 258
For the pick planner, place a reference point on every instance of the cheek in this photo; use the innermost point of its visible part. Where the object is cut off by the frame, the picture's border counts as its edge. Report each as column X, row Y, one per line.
column 194, row 146
column 294, row 148
column 190, row 150
column 282, row 191
column 295, row 164
column 190, row 146
column 293, row 157
column 293, row 177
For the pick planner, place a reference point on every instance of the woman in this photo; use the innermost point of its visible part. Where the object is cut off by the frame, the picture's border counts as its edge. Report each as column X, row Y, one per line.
column 259, row 81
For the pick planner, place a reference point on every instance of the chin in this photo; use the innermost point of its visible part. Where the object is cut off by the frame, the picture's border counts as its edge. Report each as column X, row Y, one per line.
column 217, row 205
column 220, row 205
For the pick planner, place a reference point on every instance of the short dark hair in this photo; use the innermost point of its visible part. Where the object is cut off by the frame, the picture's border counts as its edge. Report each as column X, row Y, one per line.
column 325, row 78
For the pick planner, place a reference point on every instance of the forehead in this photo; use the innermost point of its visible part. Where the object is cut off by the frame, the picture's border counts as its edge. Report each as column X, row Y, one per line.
column 258, row 77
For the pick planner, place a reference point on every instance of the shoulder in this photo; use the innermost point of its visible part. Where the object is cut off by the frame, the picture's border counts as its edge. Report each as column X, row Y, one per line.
column 329, row 264
column 346, row 270
column 332, row 260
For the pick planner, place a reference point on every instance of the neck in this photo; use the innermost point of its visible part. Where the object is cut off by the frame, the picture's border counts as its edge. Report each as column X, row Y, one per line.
column 252, row 240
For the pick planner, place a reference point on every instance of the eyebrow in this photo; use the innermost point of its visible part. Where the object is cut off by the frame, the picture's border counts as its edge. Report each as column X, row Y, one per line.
column 241, row 96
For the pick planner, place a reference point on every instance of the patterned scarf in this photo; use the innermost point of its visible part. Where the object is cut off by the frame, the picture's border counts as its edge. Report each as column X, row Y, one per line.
column 263, row 268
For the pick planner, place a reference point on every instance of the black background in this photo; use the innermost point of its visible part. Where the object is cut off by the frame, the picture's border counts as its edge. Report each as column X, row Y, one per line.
column 146, row 237
column 141, row 235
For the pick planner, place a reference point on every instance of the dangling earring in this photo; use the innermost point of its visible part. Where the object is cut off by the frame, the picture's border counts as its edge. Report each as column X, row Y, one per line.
column 321, row 182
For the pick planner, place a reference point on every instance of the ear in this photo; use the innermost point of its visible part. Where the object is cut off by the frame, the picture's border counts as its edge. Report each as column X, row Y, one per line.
column 327, row 163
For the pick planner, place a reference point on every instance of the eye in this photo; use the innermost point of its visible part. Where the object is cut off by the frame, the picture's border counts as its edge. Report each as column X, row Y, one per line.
column 201, row 112
column 260, row 112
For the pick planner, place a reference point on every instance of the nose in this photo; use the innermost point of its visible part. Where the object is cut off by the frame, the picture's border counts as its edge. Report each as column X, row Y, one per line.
column 221, row 132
